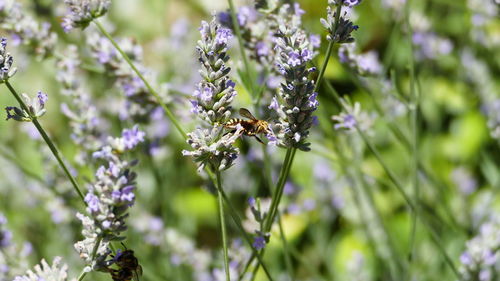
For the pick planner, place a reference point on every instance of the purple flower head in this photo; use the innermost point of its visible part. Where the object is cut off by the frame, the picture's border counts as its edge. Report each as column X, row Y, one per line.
column 293, row 58
column 262, row 49
column 223, row 35
column 245, row 15
column 194, row 107
column 132, row 137
column 298, row 11
column 274, row 104
column 205, row 95
column 92, row 202
column 230, row 84
column 5, row 238
column 349, row 3
column 259, row 242
column 306, row 55
column 349, row 122
column 251, row 201
column 315, row 40
column 313, row 101
column 127, row 194
column 323, row 172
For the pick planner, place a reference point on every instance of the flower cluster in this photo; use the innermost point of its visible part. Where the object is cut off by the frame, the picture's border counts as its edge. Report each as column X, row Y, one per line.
column 84, row 117
column 6, row 61
column 25, row 30
column 215, row 92
column 213, row 148
column 139, row 103
column 297, row 99
column 366, row 64
column 82, row 12
column 480, row 259
column 353, row 118
column 44, row 271
column 339, row 32
column 36, row 108
column 429, row 45
column 212, row 103
column 109, row 198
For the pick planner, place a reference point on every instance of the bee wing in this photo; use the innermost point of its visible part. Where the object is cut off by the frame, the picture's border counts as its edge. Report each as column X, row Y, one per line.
column 137, row 273
column 246, row 113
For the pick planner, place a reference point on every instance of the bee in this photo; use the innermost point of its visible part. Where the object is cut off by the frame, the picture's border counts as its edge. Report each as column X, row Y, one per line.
column 251, row 127
column 128, row 267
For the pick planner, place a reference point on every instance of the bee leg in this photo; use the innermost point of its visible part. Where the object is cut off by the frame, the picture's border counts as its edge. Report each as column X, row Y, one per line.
column 258, row 139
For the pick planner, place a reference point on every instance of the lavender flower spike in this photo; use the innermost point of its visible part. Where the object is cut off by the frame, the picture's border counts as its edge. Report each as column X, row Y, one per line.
column 109, row 199
column 36, row 107
column 216, row 91
column 82, row 12
column 296, row 96
column 341, row 33
column 44, row 271
column 6, row 61
column 213, row 97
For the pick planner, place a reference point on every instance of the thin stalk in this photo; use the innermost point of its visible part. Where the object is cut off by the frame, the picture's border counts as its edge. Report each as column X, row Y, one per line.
column 239, row 225
column 47, row 140
column 157, row 97
column 286, row 250
column 237, row 30
column 278, row 193
column 413, row 207
column 414, row 130
column 398, row 133
column 222, row 224
column 329, row 51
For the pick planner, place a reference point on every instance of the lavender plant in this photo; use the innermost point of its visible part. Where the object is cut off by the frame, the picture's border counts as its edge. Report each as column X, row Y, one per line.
column 213, row 148
column 426, row 68
column 108, row 200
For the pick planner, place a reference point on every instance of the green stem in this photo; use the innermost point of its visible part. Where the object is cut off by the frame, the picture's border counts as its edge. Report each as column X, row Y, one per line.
column 288, row 260
column 278, row 193
column 47, row 140
column 329, row 51
column 413, row 207
column 414, row 129
column 222, row 224
column 237, row 220
column 242, row 47
column 157, row 97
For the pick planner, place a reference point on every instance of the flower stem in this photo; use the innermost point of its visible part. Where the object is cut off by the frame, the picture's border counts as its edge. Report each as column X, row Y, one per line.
column 286, row 250
column 168, row 112
column 47, row 140
column 414, row 129
column 242, row 48
column 329, row 51
column 222, row 224
column 239, row 225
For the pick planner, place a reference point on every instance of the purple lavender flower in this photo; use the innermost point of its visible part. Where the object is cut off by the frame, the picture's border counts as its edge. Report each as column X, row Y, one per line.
column 6, row 61
column 259, row 243
column 341, row 33
column 36, row 108
column 109, row 199
column 132, row 137
column 81, row 13
column 296, row 96
column 5, row 234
